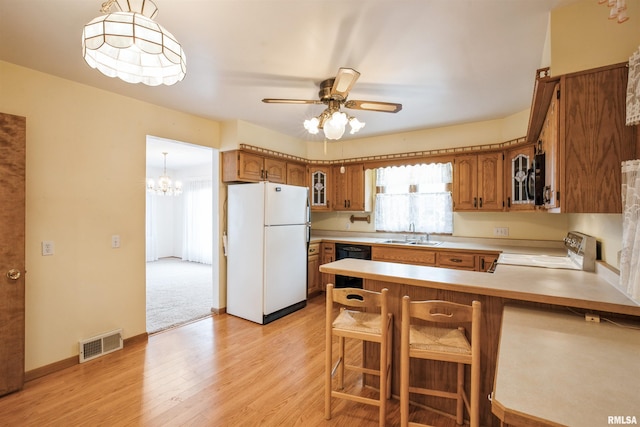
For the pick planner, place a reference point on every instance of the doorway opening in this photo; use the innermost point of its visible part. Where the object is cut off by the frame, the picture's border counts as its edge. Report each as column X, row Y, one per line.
column 181, row 234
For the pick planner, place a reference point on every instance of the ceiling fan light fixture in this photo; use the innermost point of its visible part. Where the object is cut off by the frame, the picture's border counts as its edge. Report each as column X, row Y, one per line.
column 130, row 45
column 311, row 125
column 334, row 127
column 355, row 124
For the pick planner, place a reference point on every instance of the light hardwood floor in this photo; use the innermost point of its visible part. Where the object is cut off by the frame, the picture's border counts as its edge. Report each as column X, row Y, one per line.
column 219, row 371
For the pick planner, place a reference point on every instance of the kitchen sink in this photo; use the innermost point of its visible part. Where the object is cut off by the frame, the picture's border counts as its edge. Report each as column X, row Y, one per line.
column 427, row 243
column 412, row 242
column 403, row 241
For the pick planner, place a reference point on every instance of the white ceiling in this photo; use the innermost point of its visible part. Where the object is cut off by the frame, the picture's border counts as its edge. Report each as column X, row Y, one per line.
column 446, row 61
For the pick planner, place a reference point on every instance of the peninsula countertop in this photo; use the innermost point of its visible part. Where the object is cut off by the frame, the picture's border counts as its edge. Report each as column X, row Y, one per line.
column 577, row 373
column 569, row 288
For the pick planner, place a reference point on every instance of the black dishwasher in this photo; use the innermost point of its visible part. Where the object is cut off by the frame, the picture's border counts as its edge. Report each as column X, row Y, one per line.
column 351, row 251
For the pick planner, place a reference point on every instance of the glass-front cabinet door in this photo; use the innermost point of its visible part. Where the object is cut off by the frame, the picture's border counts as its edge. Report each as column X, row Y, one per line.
column 519, row 162
column 320, row 186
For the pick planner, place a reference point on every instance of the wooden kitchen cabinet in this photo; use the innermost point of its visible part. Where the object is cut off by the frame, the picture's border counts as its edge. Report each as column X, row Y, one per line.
column 328, row 254
column 349, row 188
column 314, row 281
column 517, row 163
column 297, row 174
column 404, row 255
column 242, row 166
column 583, row 124
column 478, row 182
column 320, row 187
column 474, row 261
column 457, row 260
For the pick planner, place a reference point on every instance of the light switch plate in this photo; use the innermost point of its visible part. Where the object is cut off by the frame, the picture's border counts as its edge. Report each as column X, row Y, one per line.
column 47, row 248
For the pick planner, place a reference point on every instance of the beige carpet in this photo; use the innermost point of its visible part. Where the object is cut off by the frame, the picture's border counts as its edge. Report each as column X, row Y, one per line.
column 177, row 292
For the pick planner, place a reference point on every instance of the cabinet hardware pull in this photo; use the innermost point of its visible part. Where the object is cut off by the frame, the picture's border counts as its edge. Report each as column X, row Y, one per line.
column 480, row 201
column 455, row 260
column 475, row 202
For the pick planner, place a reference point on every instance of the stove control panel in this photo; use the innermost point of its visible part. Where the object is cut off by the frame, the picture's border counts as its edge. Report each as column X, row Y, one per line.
column 582, row 248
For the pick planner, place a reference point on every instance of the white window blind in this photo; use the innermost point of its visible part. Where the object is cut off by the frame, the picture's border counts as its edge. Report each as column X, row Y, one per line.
column 414, row 198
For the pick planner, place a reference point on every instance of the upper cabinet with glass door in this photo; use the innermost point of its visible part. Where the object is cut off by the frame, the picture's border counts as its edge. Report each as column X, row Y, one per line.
column 320, row 187
column 518, row 165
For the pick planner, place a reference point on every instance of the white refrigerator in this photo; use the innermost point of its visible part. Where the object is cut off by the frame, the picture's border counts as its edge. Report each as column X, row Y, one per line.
column 268, row 232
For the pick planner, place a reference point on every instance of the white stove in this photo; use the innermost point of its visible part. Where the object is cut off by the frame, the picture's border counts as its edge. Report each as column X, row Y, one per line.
column 581, row 255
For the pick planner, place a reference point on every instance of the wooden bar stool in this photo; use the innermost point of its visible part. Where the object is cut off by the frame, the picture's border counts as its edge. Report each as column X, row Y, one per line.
column 448, row 344
column 372, row 325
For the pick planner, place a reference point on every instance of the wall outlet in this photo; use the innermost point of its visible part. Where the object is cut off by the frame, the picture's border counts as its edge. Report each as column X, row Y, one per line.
column 590, row 317
column 501, row 231
column 115, row 241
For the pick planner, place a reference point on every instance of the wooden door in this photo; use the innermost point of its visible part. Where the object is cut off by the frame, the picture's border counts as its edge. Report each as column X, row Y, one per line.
column 12, row 251
column 297, row 174
column 349, row 188
column 465, row 184
column 594, row 140
column 355, row 187
column 275, row 170
column 490, row 180
column 251, row 166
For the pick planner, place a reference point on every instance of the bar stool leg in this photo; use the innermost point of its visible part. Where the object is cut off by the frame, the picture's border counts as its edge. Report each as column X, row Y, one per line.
column 328, row 359
column 341, row 363
column 460, row 391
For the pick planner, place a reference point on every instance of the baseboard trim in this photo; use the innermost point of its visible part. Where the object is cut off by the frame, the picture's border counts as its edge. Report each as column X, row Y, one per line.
column 74, row 360
column 222, row 310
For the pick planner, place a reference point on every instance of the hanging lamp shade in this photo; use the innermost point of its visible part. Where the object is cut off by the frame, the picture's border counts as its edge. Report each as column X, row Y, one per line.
column 130, row 45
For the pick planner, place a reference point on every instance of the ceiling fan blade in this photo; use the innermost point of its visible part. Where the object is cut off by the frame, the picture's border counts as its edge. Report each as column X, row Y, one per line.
column 343, row 82
column 291, row 101
column 385, row 107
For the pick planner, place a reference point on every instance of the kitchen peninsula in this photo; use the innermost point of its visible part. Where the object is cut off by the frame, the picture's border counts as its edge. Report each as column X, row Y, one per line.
column 556, row 289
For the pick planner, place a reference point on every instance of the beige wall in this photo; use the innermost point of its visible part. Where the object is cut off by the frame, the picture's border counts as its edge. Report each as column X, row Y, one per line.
column 86, row 151
column 582, row 36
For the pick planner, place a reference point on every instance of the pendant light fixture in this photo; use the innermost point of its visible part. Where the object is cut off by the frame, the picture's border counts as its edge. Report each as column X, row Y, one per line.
column 164, row 186
column 127, row 43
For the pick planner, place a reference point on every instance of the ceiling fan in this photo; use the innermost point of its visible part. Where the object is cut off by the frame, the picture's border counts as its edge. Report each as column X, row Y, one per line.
column 334, row 93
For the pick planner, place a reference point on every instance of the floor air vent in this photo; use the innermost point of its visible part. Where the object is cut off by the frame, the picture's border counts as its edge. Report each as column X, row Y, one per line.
column 100, row 345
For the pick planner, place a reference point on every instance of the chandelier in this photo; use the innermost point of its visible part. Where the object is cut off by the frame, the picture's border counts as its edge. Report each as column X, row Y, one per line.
column 333, row 122
column 129, row 45
column 164, row 186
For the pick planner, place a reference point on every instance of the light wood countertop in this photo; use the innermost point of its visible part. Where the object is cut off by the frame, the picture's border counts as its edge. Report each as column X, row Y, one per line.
column 555, row 368
column 570, row 288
